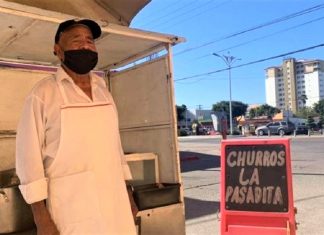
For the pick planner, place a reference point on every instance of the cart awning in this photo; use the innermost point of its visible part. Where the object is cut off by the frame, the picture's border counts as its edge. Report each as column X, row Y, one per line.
column 27, row 35
column 114, row 11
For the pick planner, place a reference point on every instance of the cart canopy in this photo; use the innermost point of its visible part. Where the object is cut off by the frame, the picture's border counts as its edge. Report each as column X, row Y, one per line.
column 27, row 31
column 114, row 11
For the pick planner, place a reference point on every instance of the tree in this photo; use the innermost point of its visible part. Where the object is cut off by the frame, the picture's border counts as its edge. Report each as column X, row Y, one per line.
column 262, row 110
column 310, row 122
column 238, row 108
column 305, row 112
column 252, row 113
column 268, row 110
column 303, row 99
column 319, row 107
column 181, row 112
column 321, row 121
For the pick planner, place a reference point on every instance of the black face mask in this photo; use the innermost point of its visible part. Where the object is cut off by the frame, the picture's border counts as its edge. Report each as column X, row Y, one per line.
column 80, row 61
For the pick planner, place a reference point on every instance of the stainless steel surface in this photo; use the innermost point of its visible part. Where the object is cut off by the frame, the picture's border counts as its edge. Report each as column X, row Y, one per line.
column 163, row 220
column 7, row 150
column 8, row 178
column 15, row 213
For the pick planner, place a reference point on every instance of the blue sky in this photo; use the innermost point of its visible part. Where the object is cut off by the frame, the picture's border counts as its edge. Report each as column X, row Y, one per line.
column 214, row 22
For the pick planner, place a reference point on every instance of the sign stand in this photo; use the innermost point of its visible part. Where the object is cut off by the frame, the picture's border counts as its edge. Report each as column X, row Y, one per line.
column 256, row 188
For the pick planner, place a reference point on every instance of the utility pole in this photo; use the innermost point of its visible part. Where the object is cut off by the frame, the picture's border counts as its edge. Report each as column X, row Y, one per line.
column 229, row 61
column 199, row 111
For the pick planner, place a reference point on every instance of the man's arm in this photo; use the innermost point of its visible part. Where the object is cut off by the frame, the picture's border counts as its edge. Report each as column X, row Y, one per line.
column 33, row 183
column 43, row 220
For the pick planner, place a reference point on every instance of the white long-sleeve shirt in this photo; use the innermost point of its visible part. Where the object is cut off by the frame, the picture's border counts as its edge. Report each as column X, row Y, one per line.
column 38, row 132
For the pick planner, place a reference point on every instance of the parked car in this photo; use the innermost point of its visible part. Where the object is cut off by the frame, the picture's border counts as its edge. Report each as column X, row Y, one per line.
column 203, row 131
column 302, row 129
column 315, row 127
column 276, row 128
column 184, row 131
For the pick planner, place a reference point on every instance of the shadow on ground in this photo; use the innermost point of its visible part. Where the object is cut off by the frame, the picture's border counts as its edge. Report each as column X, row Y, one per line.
column 193, row 161
column 197, row 208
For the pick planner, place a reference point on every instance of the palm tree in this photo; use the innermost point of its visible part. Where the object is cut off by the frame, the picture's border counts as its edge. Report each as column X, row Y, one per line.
column 303, row 98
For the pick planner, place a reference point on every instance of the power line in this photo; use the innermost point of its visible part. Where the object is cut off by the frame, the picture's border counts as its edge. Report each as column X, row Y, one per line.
column 185, row 13
column 163, row 9
column 275, row 21
column 218, row 78
column 253, row 62
column 278, row 56
column 198, row 14
column 168, row 14
column 263, row 37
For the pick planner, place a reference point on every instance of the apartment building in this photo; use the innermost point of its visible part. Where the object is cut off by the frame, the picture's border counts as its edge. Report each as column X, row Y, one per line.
column 295, row 84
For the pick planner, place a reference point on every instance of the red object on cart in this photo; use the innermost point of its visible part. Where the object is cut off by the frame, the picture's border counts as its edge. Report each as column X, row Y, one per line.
column 256, row 187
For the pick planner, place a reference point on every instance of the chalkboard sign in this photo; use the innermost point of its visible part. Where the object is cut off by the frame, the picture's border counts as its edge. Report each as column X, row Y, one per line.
column 256, row 178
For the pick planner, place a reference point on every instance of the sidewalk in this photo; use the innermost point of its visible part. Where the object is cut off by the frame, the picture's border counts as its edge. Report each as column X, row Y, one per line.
column 317, row 135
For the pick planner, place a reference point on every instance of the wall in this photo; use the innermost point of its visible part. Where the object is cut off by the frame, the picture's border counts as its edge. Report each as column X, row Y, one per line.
column 271, row 91
column 312, row 88
column 15, row 85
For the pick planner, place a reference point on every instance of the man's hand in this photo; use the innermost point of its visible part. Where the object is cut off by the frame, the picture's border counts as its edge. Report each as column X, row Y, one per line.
column 47, row 228
column 44, row 223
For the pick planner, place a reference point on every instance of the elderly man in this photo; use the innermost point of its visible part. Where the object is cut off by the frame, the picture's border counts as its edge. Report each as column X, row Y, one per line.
column 68, row 144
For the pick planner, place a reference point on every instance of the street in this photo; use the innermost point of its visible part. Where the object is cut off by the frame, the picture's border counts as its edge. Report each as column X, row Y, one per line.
column 200, row 166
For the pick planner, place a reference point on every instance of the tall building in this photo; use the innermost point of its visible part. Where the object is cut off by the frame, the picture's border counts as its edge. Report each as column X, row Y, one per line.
column 295, row 84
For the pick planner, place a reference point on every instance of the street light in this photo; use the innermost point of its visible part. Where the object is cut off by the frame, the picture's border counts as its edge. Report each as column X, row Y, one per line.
column 229, row 61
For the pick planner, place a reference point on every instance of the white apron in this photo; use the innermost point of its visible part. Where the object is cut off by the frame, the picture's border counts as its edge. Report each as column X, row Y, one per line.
column 87, row 192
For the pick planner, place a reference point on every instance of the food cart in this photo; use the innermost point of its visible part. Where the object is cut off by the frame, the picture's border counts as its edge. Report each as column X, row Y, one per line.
column 137, row 66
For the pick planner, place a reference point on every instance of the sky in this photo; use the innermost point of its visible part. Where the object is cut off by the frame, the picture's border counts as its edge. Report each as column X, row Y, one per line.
column 249, row 30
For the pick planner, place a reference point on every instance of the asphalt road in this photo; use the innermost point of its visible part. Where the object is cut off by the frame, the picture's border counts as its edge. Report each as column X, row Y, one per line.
column 200, row 166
